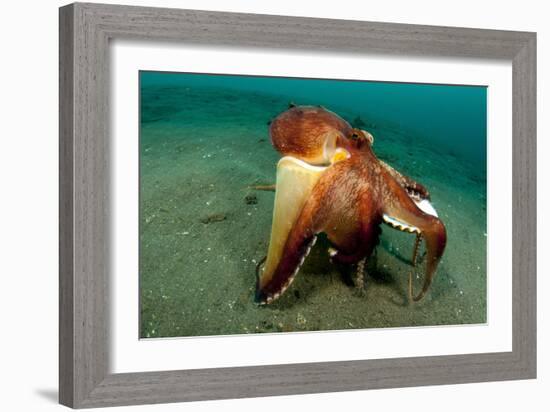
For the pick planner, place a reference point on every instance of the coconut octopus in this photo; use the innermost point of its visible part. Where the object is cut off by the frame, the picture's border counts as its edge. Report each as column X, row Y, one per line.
column 330, row 181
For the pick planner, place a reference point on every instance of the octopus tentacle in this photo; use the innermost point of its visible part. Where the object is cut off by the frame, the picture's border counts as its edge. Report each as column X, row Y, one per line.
column 285, row 273
column 405, row 215
column 274, row 280
column 417, row 242
column 415, row 190
column 436, row 238
column 359, row 274
column 288, row 244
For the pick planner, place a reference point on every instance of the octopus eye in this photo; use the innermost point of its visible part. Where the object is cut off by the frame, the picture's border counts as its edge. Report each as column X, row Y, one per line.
column 354, row 136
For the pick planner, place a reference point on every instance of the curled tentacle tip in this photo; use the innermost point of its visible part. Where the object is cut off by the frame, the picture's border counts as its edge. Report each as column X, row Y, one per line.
column 260, row 298
column 413, row 298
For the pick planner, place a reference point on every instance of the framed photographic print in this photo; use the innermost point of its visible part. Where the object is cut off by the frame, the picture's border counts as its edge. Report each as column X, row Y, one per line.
column 257, row 205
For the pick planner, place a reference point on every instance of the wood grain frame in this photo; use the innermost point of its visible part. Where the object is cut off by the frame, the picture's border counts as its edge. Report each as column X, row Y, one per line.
column 85, row 31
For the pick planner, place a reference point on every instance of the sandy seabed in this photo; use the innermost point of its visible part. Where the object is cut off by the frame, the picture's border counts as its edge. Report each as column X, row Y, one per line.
column 202, row 230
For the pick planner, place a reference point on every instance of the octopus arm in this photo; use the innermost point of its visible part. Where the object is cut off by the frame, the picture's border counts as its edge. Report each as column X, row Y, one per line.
column 403, row 214
column 415, row 190
column 291, row 236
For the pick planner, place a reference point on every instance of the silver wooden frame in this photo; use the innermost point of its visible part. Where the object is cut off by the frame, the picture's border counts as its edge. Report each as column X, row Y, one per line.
column 85, row 31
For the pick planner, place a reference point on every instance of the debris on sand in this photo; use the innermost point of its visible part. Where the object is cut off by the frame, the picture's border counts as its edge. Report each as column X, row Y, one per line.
column 213, row 218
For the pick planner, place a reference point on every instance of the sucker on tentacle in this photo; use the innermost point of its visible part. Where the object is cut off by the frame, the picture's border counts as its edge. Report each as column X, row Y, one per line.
column 397, row 224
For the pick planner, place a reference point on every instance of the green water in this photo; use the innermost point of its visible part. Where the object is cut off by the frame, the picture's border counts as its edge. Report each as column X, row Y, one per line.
column 204, row 139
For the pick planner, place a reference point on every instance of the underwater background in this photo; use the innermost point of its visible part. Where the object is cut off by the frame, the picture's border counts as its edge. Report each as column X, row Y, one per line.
column 204, row 140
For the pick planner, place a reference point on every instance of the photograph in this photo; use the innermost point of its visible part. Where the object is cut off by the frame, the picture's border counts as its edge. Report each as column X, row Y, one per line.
column 279, row 204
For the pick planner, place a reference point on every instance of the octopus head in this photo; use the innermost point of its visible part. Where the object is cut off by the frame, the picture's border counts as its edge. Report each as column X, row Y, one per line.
column 316, row 135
